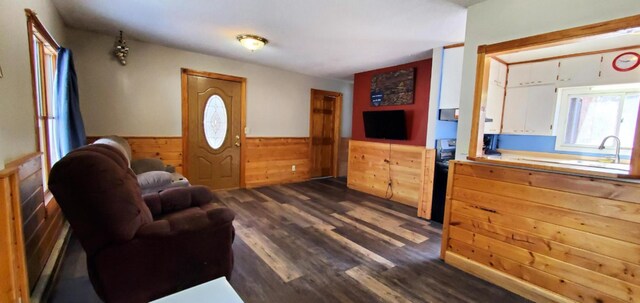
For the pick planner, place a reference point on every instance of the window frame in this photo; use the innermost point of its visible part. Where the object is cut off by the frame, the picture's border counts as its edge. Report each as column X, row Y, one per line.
column 41, row 41
column 486, row 52
column 562, row 113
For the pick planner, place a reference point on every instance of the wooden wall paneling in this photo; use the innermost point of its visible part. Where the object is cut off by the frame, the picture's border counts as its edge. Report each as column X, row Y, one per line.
column 269, row 161
column 447, row 211
column 14, row 284
column 527, row 290
column 369, row 167
column 424, row 207
column 568, row 235
column 594, row 261
column 406, row 172
column 41, row 219
column 167, row 149
column 343, row 157
column 409, row 169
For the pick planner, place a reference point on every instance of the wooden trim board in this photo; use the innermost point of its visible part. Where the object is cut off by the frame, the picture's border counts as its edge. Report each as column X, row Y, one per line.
column 564, row 36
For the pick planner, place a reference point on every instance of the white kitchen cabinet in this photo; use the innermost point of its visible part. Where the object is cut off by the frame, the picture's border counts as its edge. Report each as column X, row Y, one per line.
column 497, row 73
column 493, row 108
column 538, row 73
column 577, row 71
column 529, row 110
column 541, row 108
column 515, row 110
column 451, row 78
column 545, row 72
column 609, row 75
column 518, row 75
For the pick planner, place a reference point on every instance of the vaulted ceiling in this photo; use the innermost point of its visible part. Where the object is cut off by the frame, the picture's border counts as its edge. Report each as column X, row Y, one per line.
column 326, row 38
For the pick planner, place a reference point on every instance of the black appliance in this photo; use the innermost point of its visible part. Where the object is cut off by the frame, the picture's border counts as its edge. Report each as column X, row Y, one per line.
column 387, row 124
column 490, row 146
column 445, row 151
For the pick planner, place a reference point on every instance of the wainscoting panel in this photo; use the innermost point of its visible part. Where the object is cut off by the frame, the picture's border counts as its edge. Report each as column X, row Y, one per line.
column 396, row 172
column 14, row 284
column 269, row 161
column 167, row 149
column 546, row 236
column 343, row 157
column 41, row 217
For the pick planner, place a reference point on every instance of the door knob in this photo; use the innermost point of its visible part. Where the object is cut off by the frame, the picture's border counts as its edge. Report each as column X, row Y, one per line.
column 237, row 144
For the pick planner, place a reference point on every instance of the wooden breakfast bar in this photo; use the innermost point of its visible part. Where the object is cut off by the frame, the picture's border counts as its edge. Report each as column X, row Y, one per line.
column 547, row 236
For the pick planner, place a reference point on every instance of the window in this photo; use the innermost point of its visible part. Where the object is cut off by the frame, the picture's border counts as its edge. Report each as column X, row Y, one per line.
column 215, row 121
column 588, row 115
column 44, row 54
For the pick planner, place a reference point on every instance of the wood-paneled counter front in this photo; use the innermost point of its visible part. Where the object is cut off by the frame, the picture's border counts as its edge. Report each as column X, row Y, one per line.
column 401, row 173
column 547, row 236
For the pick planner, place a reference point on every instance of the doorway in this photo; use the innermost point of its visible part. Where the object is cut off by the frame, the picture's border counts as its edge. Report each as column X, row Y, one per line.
column 326, row 108
column 213, row 119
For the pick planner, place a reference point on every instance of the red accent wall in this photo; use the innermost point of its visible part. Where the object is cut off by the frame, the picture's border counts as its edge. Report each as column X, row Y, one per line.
column 416, row 113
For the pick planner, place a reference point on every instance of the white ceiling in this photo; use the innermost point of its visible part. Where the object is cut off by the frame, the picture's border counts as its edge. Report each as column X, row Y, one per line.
column 326, row 38
column 604, row 42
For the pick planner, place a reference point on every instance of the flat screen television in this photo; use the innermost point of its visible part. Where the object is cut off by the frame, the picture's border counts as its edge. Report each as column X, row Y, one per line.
column 387, row 124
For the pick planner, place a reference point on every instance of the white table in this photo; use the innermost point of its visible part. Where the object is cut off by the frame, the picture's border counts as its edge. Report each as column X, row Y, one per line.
column 218, row 290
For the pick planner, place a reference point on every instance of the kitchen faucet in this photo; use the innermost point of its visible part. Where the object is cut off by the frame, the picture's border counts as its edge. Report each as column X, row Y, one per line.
column 617, row 146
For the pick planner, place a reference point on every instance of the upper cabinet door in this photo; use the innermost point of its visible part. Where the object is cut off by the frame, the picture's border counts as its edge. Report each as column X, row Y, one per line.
column 545, row 72
column 583, row 70
column 515, row 110
column 497, row 73
column 541, row 109
column 493, row 109
column 451, row 78
column 609, row 75
column 519, row 75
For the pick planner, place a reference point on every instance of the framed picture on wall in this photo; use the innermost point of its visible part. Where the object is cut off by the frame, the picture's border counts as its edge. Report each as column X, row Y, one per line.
column 393, row 88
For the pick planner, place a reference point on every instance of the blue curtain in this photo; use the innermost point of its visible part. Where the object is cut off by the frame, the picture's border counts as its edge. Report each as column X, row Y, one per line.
column 69, row 127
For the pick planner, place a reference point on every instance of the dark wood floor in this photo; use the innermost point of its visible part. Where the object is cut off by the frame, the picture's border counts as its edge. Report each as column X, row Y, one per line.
column 318, row 241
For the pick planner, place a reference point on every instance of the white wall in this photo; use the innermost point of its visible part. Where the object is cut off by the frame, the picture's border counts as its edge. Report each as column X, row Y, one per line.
column 434, row 96
column 143, row 97
column 17, row 132
column 495, row 21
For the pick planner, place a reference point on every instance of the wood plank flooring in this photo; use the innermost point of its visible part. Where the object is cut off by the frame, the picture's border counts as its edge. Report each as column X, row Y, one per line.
column 319, row 241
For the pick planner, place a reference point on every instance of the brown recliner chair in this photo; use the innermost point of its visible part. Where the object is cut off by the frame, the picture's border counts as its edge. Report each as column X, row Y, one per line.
column 140, row 248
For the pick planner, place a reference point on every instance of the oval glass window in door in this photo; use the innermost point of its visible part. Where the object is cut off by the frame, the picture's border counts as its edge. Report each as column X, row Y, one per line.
column 215, row 121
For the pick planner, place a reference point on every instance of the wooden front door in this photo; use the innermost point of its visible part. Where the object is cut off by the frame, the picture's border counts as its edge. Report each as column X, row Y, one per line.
column 214, row 131
column 325, row 131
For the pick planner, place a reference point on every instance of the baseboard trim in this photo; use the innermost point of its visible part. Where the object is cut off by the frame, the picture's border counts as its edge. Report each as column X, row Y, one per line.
column 47, row 279
column 515, row 285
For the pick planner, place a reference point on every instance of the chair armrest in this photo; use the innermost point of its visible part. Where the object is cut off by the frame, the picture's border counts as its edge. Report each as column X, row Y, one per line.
column 190, row 220
column 174, row 199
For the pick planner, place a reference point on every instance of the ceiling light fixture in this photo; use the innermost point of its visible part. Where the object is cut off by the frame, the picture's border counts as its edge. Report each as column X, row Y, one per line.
column 252, row 42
